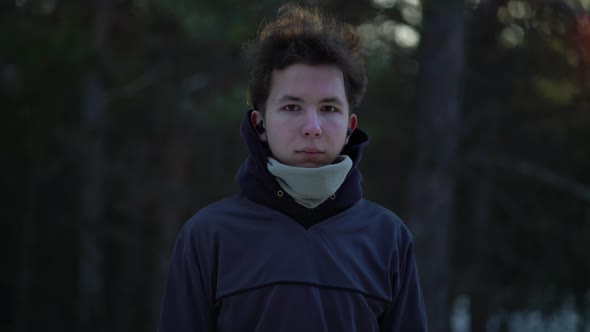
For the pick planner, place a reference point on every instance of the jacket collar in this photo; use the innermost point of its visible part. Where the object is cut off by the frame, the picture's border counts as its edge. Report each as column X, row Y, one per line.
column 259, row 186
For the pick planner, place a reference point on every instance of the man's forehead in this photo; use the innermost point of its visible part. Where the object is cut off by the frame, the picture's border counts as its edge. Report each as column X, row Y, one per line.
column 300, row 81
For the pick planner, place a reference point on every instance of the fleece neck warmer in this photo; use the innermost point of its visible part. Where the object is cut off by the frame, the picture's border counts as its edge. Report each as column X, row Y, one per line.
column 310, row 187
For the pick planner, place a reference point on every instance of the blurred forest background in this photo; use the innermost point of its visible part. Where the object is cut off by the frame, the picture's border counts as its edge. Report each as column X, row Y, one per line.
column 120, row 120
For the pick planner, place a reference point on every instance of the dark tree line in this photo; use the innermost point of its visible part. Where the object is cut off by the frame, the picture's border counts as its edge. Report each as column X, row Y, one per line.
column 120, row 121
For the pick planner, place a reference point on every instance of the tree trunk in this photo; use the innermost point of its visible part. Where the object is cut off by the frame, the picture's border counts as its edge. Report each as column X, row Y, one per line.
column 171, row 216
column 92, row 303
column 480, row 296
column 432, row 182
column 28, row 240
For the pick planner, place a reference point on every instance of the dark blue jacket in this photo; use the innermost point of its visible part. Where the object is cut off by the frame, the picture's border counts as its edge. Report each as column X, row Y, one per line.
column 260, row 262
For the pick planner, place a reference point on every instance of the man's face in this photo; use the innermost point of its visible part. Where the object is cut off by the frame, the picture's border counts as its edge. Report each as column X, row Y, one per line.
column 307, row 115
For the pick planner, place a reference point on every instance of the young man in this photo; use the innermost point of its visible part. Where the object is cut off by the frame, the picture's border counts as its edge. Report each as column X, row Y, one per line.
column 298, row 249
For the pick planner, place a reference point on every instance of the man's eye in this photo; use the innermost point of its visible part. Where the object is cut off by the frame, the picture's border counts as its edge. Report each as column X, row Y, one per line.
column 291, row 108
column 329, row 109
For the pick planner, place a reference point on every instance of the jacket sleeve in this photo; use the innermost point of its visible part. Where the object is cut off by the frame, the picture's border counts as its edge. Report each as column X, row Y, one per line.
column 407, row 312
column 187, row 303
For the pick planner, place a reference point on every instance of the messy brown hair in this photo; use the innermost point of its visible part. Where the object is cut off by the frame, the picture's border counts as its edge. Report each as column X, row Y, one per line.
column 304, row 35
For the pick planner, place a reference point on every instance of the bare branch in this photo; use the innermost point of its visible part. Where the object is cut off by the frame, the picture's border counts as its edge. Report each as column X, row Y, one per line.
column 533, row 171
column 142, row 82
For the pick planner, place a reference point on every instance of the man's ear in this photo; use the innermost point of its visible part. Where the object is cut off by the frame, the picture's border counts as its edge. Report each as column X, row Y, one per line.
column 352, row 122
column 257, row 121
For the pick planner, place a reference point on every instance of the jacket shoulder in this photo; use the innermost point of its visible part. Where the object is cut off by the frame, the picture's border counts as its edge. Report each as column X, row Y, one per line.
column 216, row 211
column 385, row 218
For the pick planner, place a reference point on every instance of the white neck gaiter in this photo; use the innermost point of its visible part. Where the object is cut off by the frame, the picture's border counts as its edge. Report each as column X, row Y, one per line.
column 310, row 187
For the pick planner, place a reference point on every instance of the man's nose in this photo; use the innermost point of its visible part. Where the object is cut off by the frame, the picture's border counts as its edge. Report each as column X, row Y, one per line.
column 311, row 126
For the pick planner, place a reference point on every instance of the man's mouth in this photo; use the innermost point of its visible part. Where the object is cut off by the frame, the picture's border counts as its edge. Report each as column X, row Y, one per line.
column 310, row 151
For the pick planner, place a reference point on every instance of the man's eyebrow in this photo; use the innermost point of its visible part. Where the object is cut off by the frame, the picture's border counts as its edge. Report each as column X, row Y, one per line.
column 331, row 100
column 290, row 98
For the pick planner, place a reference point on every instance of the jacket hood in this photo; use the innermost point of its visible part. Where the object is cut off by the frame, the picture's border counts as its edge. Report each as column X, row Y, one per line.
column 260, row 186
